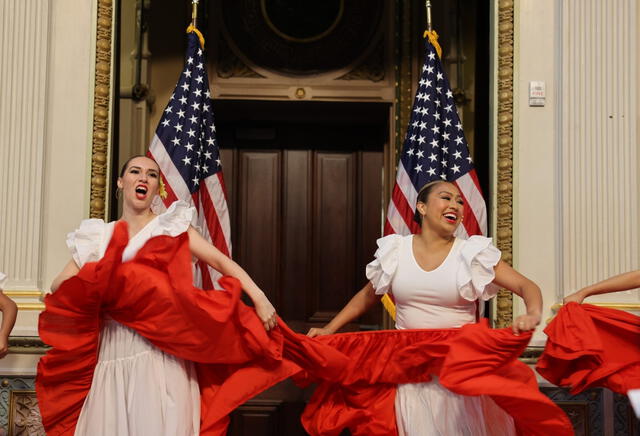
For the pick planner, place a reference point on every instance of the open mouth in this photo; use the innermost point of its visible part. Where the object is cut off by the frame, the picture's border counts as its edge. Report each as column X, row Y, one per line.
column 141, row 192
column 451, row 217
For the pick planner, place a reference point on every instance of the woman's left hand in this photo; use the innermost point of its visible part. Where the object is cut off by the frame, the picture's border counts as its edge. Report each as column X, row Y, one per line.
column 524, row 323
column 266, row 312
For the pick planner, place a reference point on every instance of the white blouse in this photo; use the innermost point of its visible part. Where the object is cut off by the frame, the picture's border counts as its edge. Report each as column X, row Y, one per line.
column 442, row 298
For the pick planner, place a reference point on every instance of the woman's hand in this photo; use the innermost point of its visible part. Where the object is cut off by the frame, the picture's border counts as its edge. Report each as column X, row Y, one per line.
column 576, row 297
column 266, row 312
column 525, row 323
column 316, row 331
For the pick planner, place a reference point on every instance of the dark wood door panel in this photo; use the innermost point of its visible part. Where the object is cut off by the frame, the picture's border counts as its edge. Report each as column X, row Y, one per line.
column 334, row 233
column 258, row 213
column 297, row 262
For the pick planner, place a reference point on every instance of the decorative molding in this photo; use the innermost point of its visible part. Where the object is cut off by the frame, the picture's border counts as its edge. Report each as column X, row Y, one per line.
column 229, row 65
column 24, row 414
column 585, row 411
column 371, row 69
column 619, row 306
column 18, row 406
column 101, row 110
column 504, row 236
column 531, row 355
column 27, row 345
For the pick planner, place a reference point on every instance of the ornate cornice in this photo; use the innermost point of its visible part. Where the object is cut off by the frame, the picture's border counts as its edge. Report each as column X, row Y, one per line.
column 504, row 236
column 101, row 109
column 27, row 345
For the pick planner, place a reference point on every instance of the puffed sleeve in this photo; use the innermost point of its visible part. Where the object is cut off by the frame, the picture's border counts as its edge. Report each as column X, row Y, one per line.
column 84, row 243
column 381, row 270
column 476, row 273
column 3, row 280
column 176, row 219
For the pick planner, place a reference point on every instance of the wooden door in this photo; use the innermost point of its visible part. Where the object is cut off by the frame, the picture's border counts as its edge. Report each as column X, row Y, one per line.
column 304, row 185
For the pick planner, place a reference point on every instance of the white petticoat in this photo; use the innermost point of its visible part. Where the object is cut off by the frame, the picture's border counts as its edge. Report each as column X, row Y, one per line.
column 429, row 409
column 138, row 390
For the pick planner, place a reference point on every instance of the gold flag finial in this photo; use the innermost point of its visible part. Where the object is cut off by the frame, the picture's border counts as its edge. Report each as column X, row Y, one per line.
column 194, row 13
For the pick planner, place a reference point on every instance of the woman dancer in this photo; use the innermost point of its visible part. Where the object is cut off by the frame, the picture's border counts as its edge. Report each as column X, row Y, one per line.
column 438, row 281
column 136, row 388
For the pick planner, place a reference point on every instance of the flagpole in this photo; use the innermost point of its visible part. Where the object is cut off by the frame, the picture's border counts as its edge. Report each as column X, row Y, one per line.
column 427, row 5
column 194, row 12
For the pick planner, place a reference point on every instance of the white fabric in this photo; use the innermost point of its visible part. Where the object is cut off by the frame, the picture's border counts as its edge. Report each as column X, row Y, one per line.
column 479, row 257
column 442, row 298
column 382, row 268
column 634, row 399
column 137, row 390
column 429, row 409
column 3, row 280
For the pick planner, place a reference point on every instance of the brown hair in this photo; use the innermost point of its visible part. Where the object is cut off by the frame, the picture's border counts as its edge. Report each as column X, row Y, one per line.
column 423, row 194
column 126, row 164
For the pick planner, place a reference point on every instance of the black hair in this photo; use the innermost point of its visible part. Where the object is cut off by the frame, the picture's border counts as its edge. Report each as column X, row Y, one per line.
column 126, row 164
column 423, row 195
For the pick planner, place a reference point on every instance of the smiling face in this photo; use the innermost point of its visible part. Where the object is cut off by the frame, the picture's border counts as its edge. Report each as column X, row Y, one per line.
column 442, row 210
column 140, row 182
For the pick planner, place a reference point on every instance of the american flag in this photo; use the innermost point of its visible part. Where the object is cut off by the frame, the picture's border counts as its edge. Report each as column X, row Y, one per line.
column 435, row 149
column 186, row 149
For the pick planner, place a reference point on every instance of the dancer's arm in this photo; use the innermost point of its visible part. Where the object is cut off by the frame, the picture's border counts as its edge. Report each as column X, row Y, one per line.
column 622, row 282
column 70, row 270
column 509, row 278
column 357, row 306
column 206, row 252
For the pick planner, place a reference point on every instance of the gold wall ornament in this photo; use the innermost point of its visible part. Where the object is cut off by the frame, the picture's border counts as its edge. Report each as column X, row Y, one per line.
column 504, row 305
column 100, row 150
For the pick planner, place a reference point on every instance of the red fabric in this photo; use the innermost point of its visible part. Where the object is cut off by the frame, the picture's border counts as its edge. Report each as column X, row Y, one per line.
column 153, row 294
column 474, row 360
column 590, row 346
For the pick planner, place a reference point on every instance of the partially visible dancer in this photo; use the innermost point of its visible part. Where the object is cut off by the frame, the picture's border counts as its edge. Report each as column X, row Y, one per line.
column 590, row 346
column 622, row 282
column 9, row 312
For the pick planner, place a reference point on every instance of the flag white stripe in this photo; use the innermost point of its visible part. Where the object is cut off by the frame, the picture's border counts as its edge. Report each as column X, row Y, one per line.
column 406, row 186
column 220, row 205
column 474, row 199
column 396, row 221
column 169, row 170
column 204, row 230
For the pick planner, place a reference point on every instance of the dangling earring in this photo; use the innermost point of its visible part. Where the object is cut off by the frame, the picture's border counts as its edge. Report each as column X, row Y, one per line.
column 118, row 190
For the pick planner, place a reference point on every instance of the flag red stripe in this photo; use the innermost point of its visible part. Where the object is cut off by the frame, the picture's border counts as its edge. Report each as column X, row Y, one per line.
column 404, row 208
column 211, row 218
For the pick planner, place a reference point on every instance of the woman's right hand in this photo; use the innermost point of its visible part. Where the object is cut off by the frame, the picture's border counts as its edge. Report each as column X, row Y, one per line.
column 576, row 297
column 313, row 332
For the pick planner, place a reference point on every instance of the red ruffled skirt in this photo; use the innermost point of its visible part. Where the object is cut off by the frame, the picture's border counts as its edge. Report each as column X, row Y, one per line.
column 590, row 346
column 152, row 294
column 474, row 360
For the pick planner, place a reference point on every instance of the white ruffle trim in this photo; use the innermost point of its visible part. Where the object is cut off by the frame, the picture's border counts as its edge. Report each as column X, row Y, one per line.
column 381, row 270
column 476, row 273
column 175, row 220
column 3, row 280
column 84, row 243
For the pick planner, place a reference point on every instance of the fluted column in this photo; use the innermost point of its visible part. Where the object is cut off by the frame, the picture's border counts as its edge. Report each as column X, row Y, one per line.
column 24, row 30
column 599, row 144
